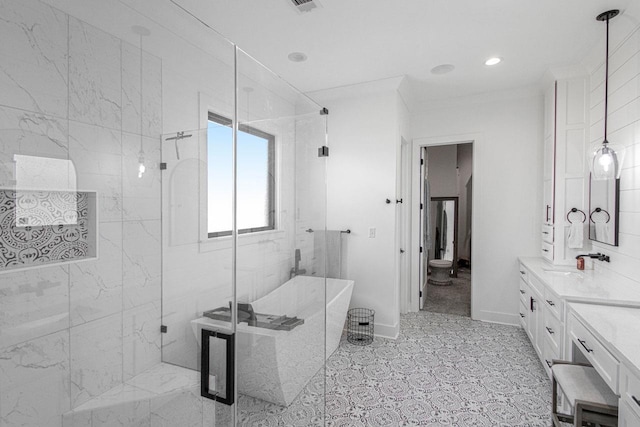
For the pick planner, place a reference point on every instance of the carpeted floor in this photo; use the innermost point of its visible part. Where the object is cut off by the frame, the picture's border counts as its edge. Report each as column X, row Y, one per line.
column 442, row 370
column 453, row 299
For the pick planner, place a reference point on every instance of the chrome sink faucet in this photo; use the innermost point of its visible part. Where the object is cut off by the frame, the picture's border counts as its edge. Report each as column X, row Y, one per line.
column 296, row 269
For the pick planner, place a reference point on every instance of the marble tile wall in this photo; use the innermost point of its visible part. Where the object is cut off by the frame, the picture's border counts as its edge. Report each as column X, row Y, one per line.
column 71, row 332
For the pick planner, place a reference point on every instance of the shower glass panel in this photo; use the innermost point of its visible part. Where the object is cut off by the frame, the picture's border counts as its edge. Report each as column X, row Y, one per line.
column 280, row 284
column 197, row 191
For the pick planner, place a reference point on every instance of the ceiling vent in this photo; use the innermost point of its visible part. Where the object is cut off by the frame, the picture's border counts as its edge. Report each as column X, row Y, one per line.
column 304, row 5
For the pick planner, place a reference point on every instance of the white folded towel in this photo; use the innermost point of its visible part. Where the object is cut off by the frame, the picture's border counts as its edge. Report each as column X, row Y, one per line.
column 575, row 240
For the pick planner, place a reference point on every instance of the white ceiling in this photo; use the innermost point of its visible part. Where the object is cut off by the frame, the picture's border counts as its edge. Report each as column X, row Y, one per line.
column 354, row 41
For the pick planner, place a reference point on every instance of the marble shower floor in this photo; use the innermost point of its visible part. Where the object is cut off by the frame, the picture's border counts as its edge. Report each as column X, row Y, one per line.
column 442, row 370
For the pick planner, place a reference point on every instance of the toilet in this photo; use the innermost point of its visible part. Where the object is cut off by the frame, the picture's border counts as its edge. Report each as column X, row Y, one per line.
column 440, row 269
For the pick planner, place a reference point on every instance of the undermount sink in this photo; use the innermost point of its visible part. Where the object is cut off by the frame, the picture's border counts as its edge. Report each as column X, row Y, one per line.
column 561, row 273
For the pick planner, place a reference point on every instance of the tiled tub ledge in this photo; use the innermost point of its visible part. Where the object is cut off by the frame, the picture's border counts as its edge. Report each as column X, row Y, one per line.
column 165, row 395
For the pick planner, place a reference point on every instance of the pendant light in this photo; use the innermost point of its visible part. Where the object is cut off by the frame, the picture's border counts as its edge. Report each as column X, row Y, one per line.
column 606, row 159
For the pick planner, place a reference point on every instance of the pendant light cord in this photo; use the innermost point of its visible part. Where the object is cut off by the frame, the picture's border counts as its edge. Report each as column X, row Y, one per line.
column 606, row 85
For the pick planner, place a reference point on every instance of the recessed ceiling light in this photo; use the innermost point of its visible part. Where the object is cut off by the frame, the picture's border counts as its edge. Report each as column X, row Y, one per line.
column 493, row 61
column 442, row 69
column 297, row 57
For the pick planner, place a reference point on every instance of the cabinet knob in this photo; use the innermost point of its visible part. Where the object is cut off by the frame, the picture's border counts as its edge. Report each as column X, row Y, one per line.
column 550, row 302
column 522, row 272
column 549, row 330
column 522, row 315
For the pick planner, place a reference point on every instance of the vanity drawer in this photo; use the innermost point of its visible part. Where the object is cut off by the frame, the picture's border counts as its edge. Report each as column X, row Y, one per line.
column 549, row 354
column 524, row 273
column 547, row 251
column 630, row 389
column 553, row 332
column 606, row 365
column 523, row 313
column 547, row 233
column 553, row 303
column 524, row 293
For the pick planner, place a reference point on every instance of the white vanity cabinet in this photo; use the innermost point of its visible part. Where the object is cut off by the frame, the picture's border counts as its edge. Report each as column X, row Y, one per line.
column 565, row 184
column 629, row 412
column 541, row 317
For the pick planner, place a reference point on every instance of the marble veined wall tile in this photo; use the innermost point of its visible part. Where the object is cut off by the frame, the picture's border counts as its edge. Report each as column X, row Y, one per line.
column 151, row 123
column 181, row 408
column 96, row 358
column 142, row 262
column 28, row 133
column 33, row 303
column 109, row 193
column 94, row 76
column 34, row 66
column 134, row 413
column 96, row 285
column 141, row 196
column 34, row 382
column 141, row 339
column 77, row 419
column 95, row 149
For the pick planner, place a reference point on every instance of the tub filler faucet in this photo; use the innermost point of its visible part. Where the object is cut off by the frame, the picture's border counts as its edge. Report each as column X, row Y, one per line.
column 296, row 269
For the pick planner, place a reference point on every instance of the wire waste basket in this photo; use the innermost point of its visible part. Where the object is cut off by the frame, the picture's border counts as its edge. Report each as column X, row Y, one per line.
column 360, row 326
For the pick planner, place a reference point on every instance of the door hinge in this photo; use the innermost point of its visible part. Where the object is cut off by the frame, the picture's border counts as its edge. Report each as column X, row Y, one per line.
column 420, row 249
column 420, row 294
column 421, row 206
column 163, row 166
column 422, row 161
column 324, row 112
column 163, row 329
column 401, row 251
column 323, row 151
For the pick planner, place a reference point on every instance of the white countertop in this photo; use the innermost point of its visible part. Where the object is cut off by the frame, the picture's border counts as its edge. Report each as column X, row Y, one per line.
column 600, row 286
column 617, row 328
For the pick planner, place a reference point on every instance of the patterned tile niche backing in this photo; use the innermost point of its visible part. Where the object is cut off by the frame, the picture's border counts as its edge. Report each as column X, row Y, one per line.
column 45, row 227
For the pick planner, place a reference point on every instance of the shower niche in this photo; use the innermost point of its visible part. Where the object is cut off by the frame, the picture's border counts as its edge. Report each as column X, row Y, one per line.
column 44, row 227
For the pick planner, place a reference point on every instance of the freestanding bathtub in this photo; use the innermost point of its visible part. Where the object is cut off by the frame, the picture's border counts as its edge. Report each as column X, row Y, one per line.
column 276, row 365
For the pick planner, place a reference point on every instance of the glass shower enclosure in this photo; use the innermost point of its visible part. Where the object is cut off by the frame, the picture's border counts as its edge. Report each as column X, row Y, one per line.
column 243, row 218
column 162, row 221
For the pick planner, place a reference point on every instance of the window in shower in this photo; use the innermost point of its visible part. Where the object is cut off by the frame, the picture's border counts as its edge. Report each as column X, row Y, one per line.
column 256, row 178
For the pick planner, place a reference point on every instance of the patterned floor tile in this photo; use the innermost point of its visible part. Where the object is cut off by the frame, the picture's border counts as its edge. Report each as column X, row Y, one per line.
column 442, row 370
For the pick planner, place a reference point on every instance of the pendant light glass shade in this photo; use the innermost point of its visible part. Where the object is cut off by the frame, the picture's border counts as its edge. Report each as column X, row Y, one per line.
column 606, row 161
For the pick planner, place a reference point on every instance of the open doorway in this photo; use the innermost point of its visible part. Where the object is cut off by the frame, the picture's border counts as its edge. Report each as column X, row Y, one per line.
column 446, row 179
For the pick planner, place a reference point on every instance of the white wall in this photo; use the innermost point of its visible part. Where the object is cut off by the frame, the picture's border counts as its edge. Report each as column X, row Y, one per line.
column 624, row 129
column 507, row 184
column 364, row 136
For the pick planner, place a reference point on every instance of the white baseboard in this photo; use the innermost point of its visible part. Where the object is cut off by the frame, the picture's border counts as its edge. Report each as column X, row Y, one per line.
column 498, row 317
column 387, row 331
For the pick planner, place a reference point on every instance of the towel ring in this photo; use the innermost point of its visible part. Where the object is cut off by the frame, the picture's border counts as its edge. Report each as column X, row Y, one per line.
column 598, row 210
column 573, row 210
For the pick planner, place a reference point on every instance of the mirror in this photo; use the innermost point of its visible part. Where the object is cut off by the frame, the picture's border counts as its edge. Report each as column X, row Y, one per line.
column 444, row 217
column 604, row 197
